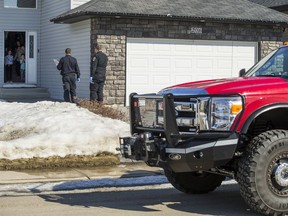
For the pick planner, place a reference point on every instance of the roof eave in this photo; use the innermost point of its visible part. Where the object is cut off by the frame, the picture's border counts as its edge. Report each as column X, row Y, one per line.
column 71, row 18
column 77, row 17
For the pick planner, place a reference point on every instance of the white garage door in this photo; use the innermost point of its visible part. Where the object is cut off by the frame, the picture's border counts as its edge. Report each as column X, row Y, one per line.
column 153, row 64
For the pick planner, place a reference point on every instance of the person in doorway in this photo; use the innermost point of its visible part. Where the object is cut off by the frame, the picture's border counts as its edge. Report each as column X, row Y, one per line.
column 22, row 68
column 69, row 69
column 8, row 61
column 98, row 75
column 18, row 52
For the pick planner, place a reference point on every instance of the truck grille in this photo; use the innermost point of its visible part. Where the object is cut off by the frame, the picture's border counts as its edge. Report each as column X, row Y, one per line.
column 152, row 114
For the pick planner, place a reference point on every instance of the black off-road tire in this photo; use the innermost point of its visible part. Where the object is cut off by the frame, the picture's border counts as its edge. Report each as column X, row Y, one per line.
column 194, row 183
column 263, row 173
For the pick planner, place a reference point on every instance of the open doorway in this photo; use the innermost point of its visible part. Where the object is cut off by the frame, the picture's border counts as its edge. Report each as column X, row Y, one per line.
column 14, row 72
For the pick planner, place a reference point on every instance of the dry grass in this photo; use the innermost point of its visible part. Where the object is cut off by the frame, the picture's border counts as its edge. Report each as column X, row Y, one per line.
column 71, row 161
column 103, row 110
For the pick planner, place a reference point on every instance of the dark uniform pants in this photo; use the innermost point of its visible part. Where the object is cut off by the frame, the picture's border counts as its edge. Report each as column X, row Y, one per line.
column 69, row 86
column 8, row 72
column 96, row 91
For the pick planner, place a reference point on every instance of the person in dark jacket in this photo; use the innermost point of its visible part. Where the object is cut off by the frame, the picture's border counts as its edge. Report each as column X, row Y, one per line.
column 98, row 75
column 69, row 69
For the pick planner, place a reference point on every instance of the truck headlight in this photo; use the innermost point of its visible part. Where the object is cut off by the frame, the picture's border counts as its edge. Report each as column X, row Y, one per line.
column 224, row 111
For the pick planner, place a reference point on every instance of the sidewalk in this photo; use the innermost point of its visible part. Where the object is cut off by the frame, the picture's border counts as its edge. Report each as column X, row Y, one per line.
column 124, row 170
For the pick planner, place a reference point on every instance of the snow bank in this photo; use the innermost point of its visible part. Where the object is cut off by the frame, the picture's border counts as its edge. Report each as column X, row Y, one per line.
column 46, row 128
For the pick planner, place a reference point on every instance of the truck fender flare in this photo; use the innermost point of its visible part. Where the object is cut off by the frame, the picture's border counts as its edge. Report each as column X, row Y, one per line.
column 258, row 112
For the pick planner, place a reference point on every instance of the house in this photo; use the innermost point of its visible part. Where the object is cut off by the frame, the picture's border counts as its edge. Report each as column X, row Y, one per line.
column 28, row 21
column 150, row 44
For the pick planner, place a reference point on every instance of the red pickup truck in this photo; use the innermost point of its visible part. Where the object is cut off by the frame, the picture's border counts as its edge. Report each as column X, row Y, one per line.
column 202, row 132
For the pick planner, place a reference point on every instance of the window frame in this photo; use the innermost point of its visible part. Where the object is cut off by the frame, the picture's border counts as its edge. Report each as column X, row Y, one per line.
column 25, row 8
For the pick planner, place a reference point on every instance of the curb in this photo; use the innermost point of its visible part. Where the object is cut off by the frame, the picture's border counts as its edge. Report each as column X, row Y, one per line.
column 105, row 182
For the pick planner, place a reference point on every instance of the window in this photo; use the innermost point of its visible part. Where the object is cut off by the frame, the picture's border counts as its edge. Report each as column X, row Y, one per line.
column 274, row 64
column 31, row 46
column 20, row 3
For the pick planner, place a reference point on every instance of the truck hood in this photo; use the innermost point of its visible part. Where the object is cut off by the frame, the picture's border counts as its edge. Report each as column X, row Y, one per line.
column 241, row 85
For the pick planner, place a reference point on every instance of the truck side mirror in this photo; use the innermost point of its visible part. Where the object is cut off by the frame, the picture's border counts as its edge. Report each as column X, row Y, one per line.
column 242, row 72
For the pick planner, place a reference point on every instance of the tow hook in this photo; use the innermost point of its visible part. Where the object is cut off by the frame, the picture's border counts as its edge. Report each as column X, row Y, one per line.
column 125, row 146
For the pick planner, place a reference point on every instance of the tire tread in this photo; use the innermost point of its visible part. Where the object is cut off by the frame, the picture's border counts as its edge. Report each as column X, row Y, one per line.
column 246, row 170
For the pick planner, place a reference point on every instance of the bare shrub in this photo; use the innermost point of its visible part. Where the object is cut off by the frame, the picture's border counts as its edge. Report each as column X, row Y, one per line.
column 103, row 110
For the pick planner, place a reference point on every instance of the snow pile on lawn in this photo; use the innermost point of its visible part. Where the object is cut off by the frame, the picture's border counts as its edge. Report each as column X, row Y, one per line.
column 46, row 128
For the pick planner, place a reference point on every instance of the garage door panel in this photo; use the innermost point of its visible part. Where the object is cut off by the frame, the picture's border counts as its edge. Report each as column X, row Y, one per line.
column 161, row 80
column 203, row 50
column 203, row 77
column 161, row 62
column 138, row 62
column 153, row 64
column 221, row 73
column 223, row 52
column 138, row 47
column 224, row 64
column 183, row 63
column 182, row 78
column 242, row 51
column 162, row 47
column 139, row 80
column 204, row 63
column 184, row 48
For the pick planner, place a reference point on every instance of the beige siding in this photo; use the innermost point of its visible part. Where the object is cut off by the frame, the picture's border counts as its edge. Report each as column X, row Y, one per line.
column 55, row 38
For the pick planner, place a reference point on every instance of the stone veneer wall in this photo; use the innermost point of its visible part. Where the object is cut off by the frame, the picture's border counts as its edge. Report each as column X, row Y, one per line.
column 115, row 48
column 268, row 46
column 111, row 33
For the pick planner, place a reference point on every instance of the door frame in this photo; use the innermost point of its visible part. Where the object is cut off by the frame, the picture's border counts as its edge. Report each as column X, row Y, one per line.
column 31, row 59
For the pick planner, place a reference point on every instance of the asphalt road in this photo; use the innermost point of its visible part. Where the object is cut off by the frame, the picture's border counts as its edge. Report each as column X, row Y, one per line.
column 154, row 200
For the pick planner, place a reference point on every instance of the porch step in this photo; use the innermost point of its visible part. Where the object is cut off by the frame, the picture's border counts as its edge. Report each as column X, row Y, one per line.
column 24, row 93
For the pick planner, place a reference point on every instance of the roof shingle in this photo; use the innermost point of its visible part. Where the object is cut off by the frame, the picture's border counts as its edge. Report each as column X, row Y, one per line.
column 216, row 11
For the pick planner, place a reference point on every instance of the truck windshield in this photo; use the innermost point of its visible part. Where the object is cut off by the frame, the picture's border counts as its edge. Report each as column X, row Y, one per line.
column 274, row 64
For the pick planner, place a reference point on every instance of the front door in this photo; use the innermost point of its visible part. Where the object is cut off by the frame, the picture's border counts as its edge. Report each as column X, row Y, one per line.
column 23, row 47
